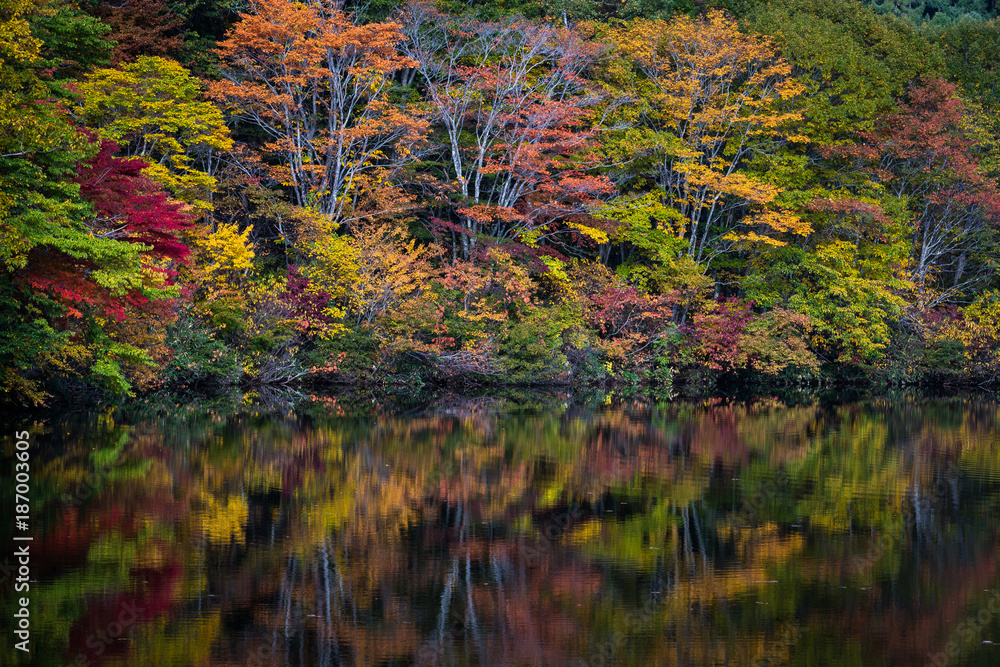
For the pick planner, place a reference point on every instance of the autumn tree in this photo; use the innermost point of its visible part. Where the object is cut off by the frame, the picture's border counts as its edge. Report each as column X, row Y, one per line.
column 730, row 336
column 71, row 41
column 978, row 331
column 129, row 205
column 317, row 86
column 925, row 155
column 626, row 320
column 91, row 289
column 61, row 283
column 515, row 112
column 369, row 273
column 227, row 255
column 851, row 275
column 853, row 63
column 139, row 27
column 713, row 98
column 971, row 53
column 153, row 109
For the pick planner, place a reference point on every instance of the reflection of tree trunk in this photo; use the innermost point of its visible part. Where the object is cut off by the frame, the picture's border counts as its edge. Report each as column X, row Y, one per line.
column 445, row 603
column 918, row 516
column 472, row 623
column 331, row 640
column 501, row 604
column 688, row 547
column 302, row 634
column 285, row 601
column 701, row 540
column 321, row 643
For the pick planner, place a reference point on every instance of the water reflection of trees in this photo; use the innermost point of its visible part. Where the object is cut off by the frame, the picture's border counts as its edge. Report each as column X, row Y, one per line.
column 473, row 533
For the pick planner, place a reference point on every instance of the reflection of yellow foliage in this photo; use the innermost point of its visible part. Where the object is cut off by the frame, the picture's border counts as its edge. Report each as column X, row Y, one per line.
column 325, row 516
column 358, row 490
column 588, row 532
column 189, row 644
column 222, row 524
column 764, row 544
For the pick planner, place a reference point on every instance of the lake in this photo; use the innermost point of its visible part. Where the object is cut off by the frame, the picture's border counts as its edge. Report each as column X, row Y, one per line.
column 523, row 529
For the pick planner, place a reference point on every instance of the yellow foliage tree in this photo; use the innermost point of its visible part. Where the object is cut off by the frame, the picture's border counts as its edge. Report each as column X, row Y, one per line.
column 368, row 273
column 153, row 109
column 16, row 41
column 714, row 96
column 228, row 256
column 391, row 269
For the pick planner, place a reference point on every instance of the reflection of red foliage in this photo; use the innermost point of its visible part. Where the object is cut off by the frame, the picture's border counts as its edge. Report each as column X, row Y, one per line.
column 97, row 634
column 66, row 545
column 109, row 617
column 294, row 470
column 619, row 449
column 716, row 437
column 908, row 636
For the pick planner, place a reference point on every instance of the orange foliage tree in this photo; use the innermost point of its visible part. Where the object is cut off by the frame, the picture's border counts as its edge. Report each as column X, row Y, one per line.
column 317, row 86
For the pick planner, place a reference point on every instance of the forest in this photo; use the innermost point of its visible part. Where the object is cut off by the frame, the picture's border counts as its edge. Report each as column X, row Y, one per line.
column 197, row 194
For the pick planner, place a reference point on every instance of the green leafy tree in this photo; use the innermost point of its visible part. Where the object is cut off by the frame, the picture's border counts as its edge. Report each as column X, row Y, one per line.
column 853, row 63
column 935, row 12
column 72, row 41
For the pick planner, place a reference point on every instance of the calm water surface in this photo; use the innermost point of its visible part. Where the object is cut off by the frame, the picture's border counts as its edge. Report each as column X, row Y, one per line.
column 465, row 531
